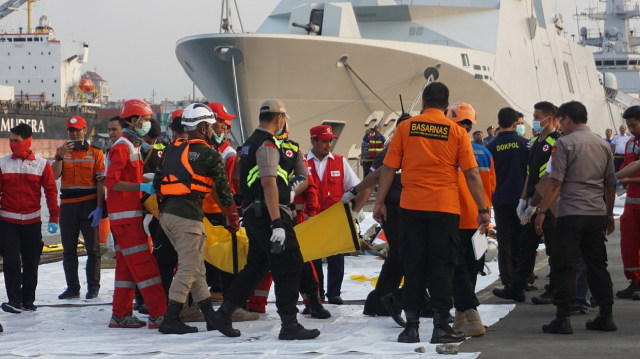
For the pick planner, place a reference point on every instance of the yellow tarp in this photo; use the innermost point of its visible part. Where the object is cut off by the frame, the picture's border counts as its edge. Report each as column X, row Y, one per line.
column 331, row 232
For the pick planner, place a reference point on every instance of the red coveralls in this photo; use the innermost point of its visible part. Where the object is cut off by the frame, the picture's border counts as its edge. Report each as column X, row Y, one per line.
column 630, row 219
column 135, row 265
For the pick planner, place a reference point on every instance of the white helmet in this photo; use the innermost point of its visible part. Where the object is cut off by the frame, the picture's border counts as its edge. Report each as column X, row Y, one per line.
column 492, row 250
column 196, row 113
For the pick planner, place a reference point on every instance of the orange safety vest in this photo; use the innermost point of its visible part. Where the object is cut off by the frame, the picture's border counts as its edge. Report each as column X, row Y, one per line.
column 178, row 177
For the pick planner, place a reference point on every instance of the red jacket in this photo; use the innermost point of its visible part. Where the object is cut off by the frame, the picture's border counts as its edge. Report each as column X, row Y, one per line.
column 20, row 187
column 125, row 164
column 307, row 201
column 330, row 189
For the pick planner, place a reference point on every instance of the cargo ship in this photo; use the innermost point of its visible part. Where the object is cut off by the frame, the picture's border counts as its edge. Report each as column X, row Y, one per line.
column 38, row 86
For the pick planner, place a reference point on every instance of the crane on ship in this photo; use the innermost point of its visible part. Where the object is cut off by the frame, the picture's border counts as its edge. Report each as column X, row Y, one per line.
column 13, row 5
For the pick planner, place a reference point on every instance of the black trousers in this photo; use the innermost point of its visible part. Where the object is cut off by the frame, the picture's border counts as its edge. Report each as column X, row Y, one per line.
column 391, row 273
column 285, row 267
column 165, row 255
column 509, row 232
column 74, row 219
column 529, row 242
column 21, row 246
column 335, row 274
column 466, row 273
column 308, row 282
column 430, row 252
column 577, row 235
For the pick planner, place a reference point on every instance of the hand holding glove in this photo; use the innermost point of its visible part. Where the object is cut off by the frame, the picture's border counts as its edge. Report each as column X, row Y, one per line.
column 147, row 187
column 522, row 204
column 528, row 213
column 233, row 218
column 95, row 216
column 52, row 227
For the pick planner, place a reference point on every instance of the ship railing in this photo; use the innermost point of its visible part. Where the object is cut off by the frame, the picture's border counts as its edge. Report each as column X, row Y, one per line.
column 43, row 107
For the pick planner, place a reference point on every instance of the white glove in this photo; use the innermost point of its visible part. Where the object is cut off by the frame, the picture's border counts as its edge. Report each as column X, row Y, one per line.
column 360, row 217
column 528, row 213
column 349, row 195
column 278, row 235
column 522, row 204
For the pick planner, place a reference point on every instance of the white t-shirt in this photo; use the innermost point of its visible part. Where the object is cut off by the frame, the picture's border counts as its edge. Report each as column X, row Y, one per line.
column 620, row 143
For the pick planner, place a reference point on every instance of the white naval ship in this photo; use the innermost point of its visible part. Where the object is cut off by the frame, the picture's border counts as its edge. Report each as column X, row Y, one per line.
column 344, row 63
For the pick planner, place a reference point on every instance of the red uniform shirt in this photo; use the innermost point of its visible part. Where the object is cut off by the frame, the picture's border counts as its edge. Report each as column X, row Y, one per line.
column 125, row 164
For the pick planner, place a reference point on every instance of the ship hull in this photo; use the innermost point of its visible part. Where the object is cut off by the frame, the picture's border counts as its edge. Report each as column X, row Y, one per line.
column 303, row 71
column 47, row 122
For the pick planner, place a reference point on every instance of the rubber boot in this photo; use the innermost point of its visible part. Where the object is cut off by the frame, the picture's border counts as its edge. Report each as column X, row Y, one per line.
column 442, row 332
column 474, row 326
column 292, row 330
column 317, row 309
column 410, row 333
column 459, row 321
column 172, row 323
column 221, row 320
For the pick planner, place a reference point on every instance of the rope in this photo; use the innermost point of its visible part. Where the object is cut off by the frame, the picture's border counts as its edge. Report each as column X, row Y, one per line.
column 349, row 68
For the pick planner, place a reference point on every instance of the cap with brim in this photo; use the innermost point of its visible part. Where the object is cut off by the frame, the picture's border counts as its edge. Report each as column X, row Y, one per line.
column 322, row 132
column 220, row 111
column 273, row 105
column 76, row 122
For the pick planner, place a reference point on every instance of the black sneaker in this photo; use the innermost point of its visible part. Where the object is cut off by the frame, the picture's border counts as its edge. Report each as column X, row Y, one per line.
column 69, row 294
column 558, row 326
column 92, row 293
column 336, row 300
column 628, row 292
column 12, row 308
column 29, row 307
column 602, row 322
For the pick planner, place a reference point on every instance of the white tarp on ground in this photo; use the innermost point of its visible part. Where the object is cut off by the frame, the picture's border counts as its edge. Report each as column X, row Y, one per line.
column 71, row 328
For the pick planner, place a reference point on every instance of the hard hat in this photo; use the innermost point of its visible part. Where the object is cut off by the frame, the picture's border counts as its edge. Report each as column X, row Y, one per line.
column 461, row 111
column 175, row 114
column 135, row 107
column 492, row 250
column 196, row 113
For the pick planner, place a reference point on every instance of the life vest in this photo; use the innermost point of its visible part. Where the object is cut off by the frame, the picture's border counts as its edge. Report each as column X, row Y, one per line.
column 250, row 174
column 376, row 145
column 78, row 181
column 331, row 187
column 178, row 178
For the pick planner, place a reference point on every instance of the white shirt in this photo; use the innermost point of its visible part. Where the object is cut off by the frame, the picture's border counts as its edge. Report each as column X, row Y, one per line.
column 620, row 143
column 350, row 177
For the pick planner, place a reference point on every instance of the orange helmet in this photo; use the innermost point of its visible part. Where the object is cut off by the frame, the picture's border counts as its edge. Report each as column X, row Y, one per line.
column 175, row 114
column 461, row 111
column 135, row 107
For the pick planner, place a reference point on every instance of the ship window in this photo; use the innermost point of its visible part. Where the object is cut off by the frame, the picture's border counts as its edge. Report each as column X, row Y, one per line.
column 18, row 81
column 465, row 60
column 568, row 75
column 412, row 31
column 19, row 39
column 598, row 63
column 53, row 95
column 486, row 77
column 52, row 66
column 36, row 39
column 41, row 53
column 35, row 67
column 23, row 67
column 41, row 81
column 484, row 68
column 29, row 53
column 55, row 81
column 10, row 39
column 621, row 62
column 478, row 77
column 477, row 67
column 9, row 67
column 607, row 62
column 49, row 52
column 633, row 62
column 419, row 31
column 28, row 81
column 29, row 39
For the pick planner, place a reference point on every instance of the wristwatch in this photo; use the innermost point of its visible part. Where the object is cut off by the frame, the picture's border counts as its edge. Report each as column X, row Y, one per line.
column 58, row 157
column 485, row 210
column 353, row 191
column 540, row 211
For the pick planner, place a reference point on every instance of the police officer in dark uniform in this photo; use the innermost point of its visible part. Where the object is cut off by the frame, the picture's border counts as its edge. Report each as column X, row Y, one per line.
column 267, row 217
column 540, row 147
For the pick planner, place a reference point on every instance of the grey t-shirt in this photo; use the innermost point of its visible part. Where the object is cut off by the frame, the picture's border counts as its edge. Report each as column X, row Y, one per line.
column 584, row 165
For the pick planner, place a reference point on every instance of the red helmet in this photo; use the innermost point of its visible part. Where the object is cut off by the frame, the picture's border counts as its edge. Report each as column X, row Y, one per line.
column 175, row 114
column 135, row 107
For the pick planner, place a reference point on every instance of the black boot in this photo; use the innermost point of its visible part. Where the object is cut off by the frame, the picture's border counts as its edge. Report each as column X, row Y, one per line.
column 510, row 293
column 206, row 307
column 292, row 330
column 394, row 307
column 560, row 325
column 172, row 323
column 604, row 320
column 316, row 308
column 410, row 333
column 221, row 320
column 442, row 331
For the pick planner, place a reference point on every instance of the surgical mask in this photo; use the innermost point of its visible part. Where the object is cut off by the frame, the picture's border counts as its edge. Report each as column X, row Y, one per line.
column 536, row 126
column 281, row 130
column 146, row 126
column 145, row 146
column 520, row 130
column 216, row 138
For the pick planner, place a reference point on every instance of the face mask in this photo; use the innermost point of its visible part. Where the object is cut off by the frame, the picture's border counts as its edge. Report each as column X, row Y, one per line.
column 145, row 146
column 216, row 138
column 132, row 136
column 281, row 130
column 21, row 149
column 520, row 130
column 536, row 126
column 146, row 126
